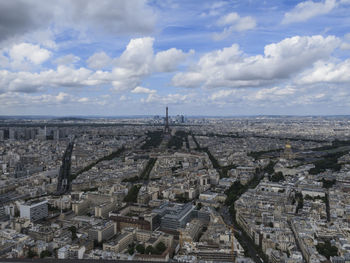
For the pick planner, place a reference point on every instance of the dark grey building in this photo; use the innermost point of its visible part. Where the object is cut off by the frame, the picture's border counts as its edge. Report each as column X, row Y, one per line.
column 174, row 216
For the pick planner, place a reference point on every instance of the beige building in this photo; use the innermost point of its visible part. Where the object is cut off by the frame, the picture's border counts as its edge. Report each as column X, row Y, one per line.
column 192, row 230
column 80, row 207
column 103, row 209
column 120, row 243
column 103, row 231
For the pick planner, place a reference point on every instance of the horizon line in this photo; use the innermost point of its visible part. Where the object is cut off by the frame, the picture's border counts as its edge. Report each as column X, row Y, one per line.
column 193, row 115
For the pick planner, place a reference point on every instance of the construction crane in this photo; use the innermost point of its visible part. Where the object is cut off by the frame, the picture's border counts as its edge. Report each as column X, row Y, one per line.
column 232, row 243
column 182, row 240
column 219, row 218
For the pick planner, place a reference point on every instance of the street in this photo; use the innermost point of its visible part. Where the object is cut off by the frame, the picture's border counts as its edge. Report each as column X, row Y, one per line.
column 244, row 241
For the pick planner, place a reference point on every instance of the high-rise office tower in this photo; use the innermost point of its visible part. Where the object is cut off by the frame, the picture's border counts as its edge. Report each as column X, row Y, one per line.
column 12, row 134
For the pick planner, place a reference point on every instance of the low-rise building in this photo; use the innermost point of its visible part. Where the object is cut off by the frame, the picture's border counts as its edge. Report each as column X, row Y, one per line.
column 103, row 231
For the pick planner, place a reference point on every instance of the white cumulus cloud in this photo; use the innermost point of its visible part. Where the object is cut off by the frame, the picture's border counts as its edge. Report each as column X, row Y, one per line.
column 166, row 61
column 67, row 60
column 308, row 9
column 29, row 52
column 138, row 61
column 127, row 72
column 327, row 72
column 234, row 22
column 168, row 99
column 99, row 60
column 142, row 90
column 230, row 67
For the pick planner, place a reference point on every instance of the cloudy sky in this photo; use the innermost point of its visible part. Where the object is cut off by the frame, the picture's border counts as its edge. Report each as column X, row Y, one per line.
column 199, row 57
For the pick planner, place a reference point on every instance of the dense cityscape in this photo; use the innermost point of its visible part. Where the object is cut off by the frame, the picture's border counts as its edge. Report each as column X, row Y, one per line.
column 179, row 189
column 194, row 131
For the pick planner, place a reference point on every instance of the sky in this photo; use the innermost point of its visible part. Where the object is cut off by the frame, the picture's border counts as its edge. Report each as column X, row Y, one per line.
column 198, row 57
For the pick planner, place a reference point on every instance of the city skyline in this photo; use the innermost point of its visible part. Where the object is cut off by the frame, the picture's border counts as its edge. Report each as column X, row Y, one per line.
column 251, row 190
column 219, row 58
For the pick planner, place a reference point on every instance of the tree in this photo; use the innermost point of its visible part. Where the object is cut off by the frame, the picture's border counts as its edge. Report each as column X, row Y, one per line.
column 234, row 192
column 277, row 177
column 160, row 247
column 45, row 254
column 154, row 139
column 269, row 168
column 150, row 250
column 132, row 194
column 97, row 244
column 140, row 248
column 328, row 183
column 131, row 249
column 300, row 199
column 17, row 213
column 32, row 254
column 131, row 179
column 73, row 229
column 146, row 172
column 180, row 198
column 308, row 197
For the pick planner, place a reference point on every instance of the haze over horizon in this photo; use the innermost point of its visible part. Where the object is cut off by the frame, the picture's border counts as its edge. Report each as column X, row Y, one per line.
column 216, row 58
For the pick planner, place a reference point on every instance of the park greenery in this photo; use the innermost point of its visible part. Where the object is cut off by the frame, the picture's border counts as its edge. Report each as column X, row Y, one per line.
column 298, row 197
column 329, row 161
column 326, row 249
column 154, row 139
column 233, row 194
column 180, row 198
column 45, row 253
column 145, row 173
column 259, row 154
column 269, row 169
column 108, row 157
column 314, row 198
column 222, row 170
column 133, row 179
column 176, row 141
column 335, row 144
column 150, row 250
column 277, row 177
column 131, row 197
column 328, row 183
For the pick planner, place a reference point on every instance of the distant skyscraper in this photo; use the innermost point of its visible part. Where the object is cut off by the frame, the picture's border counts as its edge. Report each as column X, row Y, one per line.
column 41, row 134
column 180, row 119
column 12, row 134
column 56, row 134
column 2, row 135
column 166, row 129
